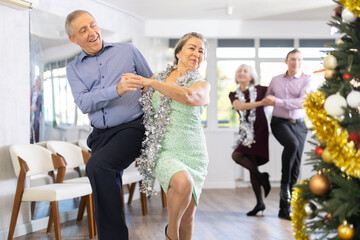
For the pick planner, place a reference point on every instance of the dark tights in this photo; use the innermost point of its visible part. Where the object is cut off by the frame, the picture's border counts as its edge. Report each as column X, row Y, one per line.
column 250, row 162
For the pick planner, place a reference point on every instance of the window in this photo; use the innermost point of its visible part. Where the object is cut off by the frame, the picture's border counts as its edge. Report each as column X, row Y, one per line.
column 59, row 105
column 230, row 53
column 275, row 48
column 313, row 51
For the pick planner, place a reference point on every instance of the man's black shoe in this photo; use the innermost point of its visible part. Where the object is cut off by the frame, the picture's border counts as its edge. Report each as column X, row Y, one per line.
column 283, row 214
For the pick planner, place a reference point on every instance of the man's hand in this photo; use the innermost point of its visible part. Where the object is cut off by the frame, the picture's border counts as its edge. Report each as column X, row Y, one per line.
column 128, row 82
column 269, row 100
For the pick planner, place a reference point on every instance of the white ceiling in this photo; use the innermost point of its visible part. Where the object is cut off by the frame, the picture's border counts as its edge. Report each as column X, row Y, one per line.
column 219, row 9
column 48, row 29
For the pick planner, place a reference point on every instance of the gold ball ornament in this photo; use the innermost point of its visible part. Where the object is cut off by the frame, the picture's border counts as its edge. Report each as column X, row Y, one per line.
column 330, row 62
column 346, row 231
column 319, row 184
column 329, row 73
column 326, row 156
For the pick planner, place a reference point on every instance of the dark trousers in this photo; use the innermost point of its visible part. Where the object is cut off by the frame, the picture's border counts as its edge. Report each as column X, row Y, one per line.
column 112, row 150
column 292, row 137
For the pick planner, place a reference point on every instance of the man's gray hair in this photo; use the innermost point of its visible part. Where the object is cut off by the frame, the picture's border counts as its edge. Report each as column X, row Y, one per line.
column 70, row 17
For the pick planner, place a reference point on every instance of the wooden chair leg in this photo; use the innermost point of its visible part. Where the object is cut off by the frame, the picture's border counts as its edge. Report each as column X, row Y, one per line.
column 81, row 208
column 50, row 222
column 55, row 214
column 163, row 198
column 122, row 196
column 143, row 203
column 131, row 192
column 14, row 216
column 32, row 209
column 90, row 215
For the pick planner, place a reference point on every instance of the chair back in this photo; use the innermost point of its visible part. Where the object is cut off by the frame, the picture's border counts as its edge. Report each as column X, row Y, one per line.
column 38, row 159
column 83, row 144
column 71, row 153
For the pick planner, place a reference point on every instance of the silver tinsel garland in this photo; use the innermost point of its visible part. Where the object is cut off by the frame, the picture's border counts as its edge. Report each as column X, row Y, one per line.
column 155, row 127
column 246, row 131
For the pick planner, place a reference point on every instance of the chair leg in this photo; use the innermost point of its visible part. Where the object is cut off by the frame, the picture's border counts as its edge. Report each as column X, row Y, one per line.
column 163, row 198
column 50, row 222
column 81, row 208
column 55, row 214
column 14, row 216
column 32, row 209
column 143, row 203
column 131, row 192
column 90, row 215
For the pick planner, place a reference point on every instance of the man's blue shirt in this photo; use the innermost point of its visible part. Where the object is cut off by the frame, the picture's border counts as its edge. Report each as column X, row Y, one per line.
column 93, row 81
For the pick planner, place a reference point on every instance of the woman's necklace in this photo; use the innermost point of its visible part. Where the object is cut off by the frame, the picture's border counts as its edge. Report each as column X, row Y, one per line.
column 246, row 129
column 155, row 123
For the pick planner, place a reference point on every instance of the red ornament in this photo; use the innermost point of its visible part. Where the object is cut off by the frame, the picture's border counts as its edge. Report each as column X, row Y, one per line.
column 354, row 137
column 319, row 150
column 346, row 76
column 338, row 11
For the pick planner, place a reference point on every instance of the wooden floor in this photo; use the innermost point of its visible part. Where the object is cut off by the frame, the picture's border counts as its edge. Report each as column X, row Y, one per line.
column 221, row 216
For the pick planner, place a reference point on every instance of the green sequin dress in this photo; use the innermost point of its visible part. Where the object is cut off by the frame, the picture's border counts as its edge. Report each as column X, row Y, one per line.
column 183, row 146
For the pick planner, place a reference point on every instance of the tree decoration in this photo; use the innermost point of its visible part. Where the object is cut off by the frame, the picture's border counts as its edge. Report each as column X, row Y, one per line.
column 353, row 99
column 336, row 190
column 330, row 62
column 319, row 150
column 328, row 130
column 319, row 184
column 326, row 156
column 310, row 209
column 338, row 11
column 346, row 76
column 354, row 137
column 298, row 214
column 346, row 231
column 352, row 5
column 355, row 83
column 329, row 73
column 328, row 218
column 335, row 104
column 348, row 16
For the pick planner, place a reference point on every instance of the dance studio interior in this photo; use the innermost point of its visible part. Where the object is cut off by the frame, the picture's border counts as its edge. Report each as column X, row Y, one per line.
column 35, row 51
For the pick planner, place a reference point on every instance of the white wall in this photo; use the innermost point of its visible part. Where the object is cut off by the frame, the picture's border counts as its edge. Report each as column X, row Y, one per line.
column 14, row 103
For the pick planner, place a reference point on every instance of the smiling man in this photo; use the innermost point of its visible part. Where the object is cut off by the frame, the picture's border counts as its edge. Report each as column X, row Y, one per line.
column 286, row 93
column 111, row 102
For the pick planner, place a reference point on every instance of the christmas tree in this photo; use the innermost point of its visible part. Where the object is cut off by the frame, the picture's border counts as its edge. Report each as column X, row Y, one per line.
column 327, row 206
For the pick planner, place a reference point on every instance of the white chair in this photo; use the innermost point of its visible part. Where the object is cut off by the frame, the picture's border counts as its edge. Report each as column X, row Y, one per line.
column 31, row 159
column 75, row 157
column 130, row 177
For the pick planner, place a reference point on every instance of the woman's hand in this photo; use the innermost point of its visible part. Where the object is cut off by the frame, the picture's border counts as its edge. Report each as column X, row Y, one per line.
column 146, row 82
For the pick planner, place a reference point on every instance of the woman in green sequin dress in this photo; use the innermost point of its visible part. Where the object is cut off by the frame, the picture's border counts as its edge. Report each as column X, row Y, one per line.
column 182, row 164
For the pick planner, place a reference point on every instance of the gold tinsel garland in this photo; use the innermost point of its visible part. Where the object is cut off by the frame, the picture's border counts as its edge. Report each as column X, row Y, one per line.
column 352, row 5
column 297, row 217
column 344, row 153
